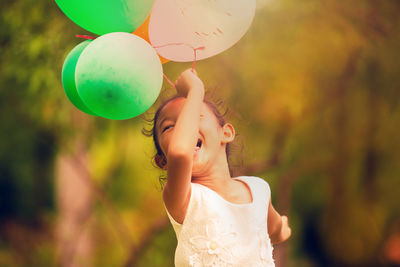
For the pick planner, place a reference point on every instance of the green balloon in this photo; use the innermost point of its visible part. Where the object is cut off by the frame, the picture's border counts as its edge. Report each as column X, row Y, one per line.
column 105, row 16
column 119, row 76
column 68, row 77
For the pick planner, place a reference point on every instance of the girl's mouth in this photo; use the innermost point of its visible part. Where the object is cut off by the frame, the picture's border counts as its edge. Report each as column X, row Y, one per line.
column 198, row 145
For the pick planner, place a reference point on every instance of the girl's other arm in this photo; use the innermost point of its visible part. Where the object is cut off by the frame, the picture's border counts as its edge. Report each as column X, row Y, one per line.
column 278, row 226
column 176, row 192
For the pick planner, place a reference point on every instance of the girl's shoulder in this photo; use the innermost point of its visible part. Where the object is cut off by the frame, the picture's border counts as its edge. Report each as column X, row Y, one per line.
column 258, row 185
column 255, row 180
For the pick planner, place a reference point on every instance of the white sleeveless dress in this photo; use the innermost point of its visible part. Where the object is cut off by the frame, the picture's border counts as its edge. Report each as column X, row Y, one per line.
column 216, row 232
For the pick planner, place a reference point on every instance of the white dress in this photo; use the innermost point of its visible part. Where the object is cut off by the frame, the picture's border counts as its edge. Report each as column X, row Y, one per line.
column 216, row 232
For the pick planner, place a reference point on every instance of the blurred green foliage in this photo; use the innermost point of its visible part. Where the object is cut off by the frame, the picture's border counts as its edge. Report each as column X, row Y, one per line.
column 314, row 89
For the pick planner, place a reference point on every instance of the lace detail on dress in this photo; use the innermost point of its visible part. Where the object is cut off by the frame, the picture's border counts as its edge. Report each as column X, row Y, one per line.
column 214, row 249
column 266, row 250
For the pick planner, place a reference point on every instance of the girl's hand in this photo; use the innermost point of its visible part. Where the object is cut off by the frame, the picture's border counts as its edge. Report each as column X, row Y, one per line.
column 278, row 226
column 187, row 81
column 285, row 230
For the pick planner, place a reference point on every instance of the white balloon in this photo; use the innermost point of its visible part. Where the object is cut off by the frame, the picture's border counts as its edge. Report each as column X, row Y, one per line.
column 185, row 30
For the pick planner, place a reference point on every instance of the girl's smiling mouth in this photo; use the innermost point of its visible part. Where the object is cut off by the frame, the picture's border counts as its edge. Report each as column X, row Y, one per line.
column 198, row 145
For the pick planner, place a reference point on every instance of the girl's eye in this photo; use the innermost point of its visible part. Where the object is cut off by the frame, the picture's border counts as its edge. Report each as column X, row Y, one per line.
column 167, row 127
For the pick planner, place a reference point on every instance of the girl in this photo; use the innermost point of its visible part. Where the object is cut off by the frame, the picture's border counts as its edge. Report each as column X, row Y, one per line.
column 218, row 220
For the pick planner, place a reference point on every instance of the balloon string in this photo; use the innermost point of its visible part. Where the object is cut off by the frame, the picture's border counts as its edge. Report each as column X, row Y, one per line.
column 168, row 80
column 85, row 37
column 159, row 46
column 194, row 52
column 195, row 55
column 195, row 59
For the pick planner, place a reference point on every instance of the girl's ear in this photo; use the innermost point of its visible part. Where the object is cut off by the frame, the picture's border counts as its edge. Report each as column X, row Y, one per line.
column 161, row 161
column 228, row 133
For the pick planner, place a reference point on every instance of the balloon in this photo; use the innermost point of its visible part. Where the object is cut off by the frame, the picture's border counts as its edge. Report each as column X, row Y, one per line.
column 105, row 16
column 180, row 28
column 68, row 77
column 119, row 76
column 143, row 32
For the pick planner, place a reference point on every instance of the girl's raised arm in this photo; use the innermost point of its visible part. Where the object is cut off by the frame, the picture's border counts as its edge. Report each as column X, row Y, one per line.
column 183, row 140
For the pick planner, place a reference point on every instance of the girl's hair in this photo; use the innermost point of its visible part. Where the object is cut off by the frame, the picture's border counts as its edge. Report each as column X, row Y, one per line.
column 214, row 105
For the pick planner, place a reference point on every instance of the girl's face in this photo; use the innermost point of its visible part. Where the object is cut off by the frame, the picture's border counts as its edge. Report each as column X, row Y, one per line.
column 211, row 139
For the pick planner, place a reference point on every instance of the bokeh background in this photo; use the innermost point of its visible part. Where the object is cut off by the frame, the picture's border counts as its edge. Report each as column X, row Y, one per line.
column 313, row 89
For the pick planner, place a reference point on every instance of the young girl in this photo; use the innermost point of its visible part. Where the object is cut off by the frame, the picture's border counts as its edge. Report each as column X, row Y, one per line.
column 218, row 220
